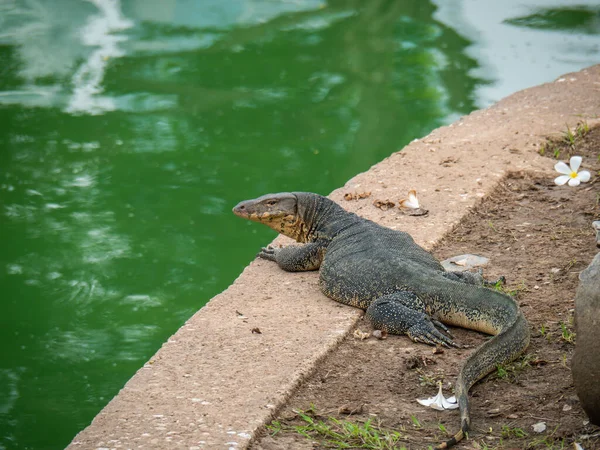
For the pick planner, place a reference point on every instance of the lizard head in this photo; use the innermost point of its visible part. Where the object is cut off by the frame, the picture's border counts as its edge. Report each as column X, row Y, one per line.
column 277, row 211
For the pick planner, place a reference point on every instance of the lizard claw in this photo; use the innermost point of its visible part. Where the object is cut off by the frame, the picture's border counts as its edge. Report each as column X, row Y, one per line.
column 444, row 328
column 426, row 333
column 267, row 253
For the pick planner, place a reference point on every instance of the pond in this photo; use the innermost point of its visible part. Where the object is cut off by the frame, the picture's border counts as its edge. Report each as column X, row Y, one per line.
column 129, row 130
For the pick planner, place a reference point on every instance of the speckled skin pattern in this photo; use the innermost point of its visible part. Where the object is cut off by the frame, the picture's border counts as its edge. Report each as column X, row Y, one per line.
column 401, row 286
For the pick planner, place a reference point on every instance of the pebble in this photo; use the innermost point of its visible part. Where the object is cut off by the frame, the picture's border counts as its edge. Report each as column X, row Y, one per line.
column 539, row 427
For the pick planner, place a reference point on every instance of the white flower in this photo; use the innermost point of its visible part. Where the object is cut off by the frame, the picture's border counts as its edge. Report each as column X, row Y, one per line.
column 570, row 173
column 439, row 402
column 412, row 202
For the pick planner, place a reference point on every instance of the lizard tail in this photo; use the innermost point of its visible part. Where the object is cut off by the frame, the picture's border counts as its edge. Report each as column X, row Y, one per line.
column 502, row 348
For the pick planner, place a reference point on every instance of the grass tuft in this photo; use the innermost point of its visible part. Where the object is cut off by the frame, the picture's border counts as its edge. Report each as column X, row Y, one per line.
column 334, row 433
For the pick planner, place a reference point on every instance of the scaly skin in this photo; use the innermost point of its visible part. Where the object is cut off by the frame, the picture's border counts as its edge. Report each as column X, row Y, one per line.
column 402, row 287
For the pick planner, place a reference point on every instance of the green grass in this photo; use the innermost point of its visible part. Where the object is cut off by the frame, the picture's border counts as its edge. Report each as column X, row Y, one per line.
column 513, row 292
column 566, row 333
column 566, row 142
column 569, row 137
column 428, row 379
column 556, row 153
column 511, row 371
column 415, row 421
column 501, row 372
column 513, row 432
column 341, row 434
column 582, row 129
column 548, row 441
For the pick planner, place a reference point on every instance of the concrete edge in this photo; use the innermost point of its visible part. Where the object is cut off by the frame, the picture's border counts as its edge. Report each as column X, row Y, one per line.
column 214, row 383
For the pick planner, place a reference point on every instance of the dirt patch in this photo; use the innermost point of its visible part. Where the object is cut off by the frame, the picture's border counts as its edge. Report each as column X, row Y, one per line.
column 539, row 236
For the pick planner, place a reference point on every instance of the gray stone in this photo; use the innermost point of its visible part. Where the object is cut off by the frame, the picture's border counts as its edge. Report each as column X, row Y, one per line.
column 461, row 263
column 586, row 360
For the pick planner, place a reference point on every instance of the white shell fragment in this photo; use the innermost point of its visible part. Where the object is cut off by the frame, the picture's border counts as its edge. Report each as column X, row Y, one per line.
column 539, row 427
column 439, row 402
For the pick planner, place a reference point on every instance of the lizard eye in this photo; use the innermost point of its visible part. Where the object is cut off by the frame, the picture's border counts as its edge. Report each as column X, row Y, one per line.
column 271, row 202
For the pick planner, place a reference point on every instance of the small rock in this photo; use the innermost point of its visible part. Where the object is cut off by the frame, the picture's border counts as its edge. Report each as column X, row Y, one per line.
column 512, row 416
column 536, row 287
column 380, row 334
column 460, row 263
column 493, row 412
column 437, row 350
column 350, row 409
column 256, row 330
column 289, row 415
column 539, row 427
column 567, row 408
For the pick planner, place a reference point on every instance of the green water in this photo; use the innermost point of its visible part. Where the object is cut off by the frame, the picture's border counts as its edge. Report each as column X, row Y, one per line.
column 128, row 131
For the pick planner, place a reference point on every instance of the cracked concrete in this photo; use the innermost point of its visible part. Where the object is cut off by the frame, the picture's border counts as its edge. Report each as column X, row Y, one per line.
column 215, row 382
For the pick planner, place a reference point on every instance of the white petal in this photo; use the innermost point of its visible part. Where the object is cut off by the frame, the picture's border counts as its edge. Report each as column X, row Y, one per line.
column 574, row 182
column 449, row 405
column 561, row 167
column 412, row 197
column 406, row 203
column 411, row 202
column 427, row 401
column 562, row 179
column 575, row 162
column 584, row 176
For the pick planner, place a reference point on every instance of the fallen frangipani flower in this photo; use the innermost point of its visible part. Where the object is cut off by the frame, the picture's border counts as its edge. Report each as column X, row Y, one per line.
column 411, row 202
column 439, row 402
column 569, row 174
column 411, row 205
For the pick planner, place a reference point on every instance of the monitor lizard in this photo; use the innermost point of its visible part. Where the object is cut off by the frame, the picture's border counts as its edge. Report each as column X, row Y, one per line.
column 401, row 286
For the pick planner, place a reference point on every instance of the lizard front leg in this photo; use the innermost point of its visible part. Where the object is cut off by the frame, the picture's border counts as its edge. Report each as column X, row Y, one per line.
column 404, row 313
column 296, row 258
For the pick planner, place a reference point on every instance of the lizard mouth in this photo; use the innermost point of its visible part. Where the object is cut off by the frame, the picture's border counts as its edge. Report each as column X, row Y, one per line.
column 244, row 210
column 240, row 210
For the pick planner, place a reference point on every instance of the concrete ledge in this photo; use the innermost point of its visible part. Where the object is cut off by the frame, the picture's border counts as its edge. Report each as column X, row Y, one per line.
column 215, row 382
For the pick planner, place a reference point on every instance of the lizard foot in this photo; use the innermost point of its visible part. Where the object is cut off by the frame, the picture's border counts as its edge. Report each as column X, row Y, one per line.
column 268, row 253
column 427, row 333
